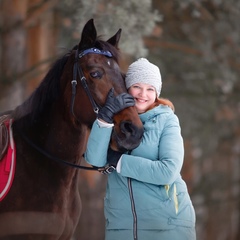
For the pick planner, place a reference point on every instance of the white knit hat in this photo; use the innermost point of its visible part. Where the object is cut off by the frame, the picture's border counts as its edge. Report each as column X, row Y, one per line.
column 142, row 71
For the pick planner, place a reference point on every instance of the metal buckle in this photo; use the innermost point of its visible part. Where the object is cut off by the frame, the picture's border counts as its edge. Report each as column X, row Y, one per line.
column 107, row 169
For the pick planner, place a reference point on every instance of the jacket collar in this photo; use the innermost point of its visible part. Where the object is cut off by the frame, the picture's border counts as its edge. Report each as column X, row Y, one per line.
column 154, row 112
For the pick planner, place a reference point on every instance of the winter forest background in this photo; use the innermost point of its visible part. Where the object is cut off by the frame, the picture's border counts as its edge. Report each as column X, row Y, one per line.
column 196, row 45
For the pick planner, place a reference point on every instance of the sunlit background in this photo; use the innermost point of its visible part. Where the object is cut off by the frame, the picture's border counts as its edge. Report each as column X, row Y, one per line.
column 196, row 45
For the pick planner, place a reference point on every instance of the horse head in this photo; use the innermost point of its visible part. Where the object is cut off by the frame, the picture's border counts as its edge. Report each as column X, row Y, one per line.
column 96, row 70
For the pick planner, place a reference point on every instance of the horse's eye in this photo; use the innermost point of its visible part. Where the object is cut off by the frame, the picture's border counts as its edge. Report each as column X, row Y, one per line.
column 96, row 74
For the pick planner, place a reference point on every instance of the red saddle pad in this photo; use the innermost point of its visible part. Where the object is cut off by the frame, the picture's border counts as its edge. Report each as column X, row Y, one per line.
column 7, row 165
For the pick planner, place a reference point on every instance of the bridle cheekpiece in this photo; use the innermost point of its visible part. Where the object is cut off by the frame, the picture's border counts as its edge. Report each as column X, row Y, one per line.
column 78, row 71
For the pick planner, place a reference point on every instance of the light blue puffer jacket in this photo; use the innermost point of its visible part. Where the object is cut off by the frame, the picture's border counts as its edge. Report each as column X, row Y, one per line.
column 160, row 195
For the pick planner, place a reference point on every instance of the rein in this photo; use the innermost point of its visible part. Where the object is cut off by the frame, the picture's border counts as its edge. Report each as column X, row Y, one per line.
column 55, row 158
column 104, row 170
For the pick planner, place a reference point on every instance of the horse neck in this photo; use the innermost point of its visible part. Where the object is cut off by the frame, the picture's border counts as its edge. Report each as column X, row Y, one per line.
column 56, row 136
column 65, row 139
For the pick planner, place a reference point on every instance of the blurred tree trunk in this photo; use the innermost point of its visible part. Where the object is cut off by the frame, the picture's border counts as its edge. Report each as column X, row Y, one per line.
column 28, row 43
column 41, row 40
column 13, row 47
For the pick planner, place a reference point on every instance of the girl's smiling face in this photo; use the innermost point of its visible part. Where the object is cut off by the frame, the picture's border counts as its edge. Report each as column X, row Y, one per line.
column 144, row 95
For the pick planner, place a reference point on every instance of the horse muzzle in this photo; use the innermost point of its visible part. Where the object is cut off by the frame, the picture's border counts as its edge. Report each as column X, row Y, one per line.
column 127, row 137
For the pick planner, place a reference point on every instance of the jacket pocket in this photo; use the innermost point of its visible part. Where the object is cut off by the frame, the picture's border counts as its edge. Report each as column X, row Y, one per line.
column 183, row 213
column 185, row 217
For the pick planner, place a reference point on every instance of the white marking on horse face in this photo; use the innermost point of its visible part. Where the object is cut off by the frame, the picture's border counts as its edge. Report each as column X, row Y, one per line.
column 108, row 62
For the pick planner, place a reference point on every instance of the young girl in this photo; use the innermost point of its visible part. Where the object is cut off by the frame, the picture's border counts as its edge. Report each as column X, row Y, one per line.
column 146, row 197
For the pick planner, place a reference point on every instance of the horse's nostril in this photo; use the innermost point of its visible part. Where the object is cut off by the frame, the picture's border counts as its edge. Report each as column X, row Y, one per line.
column 132, row 135
column 129, row 129
column 126, row 128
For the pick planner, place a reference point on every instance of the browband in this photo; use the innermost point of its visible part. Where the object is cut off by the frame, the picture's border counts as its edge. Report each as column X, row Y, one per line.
column 94, row 50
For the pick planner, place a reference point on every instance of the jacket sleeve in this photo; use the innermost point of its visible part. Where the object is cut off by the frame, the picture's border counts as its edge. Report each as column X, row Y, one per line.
column 167, row 168
column 97, row 145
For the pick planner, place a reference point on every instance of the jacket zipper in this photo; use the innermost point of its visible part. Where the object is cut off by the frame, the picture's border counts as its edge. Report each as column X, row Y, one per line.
column 133, row 209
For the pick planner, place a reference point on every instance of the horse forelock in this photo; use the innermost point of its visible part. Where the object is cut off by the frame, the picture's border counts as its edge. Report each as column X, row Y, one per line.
column 108, row 47
column 45, row 94
column 103, row 45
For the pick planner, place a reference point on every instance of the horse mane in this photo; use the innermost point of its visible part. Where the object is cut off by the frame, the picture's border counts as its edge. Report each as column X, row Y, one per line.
column 45, row 94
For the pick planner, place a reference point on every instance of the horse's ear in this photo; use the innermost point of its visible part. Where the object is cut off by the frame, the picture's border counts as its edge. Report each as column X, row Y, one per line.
column 89, row 35
column 115, row 39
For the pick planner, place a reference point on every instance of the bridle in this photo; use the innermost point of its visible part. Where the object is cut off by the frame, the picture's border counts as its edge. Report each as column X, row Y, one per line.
column 77, row 71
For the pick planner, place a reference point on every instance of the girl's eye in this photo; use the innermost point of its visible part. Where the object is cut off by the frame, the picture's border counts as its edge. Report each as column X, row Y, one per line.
column 96, row 74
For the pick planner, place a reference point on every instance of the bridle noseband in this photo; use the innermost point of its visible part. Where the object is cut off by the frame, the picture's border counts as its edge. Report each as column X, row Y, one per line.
column 78, row 71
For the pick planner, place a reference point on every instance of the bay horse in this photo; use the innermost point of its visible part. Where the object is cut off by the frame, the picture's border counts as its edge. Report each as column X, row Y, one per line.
column 54, row 124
